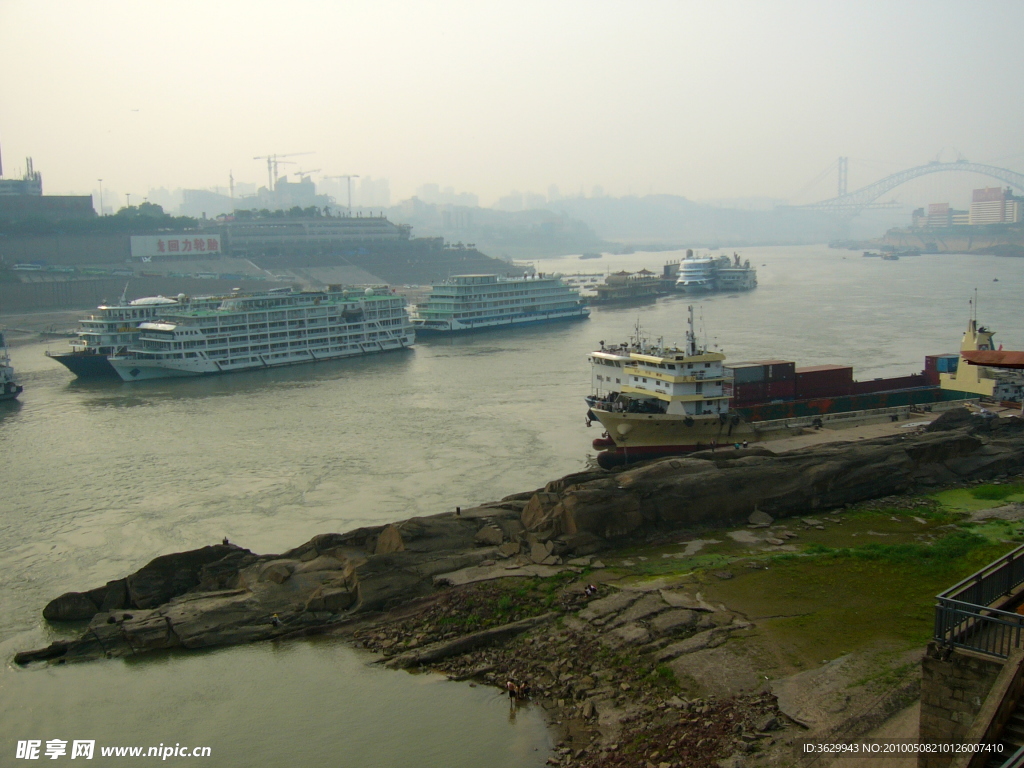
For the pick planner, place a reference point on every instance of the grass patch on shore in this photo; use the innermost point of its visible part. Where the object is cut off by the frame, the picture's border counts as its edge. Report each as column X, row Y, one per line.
column 947, row 549
column 861, row 578
column 873, row 532
column 832, row 601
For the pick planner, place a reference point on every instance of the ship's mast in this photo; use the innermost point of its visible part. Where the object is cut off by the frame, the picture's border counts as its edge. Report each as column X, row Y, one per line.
column 691, row 337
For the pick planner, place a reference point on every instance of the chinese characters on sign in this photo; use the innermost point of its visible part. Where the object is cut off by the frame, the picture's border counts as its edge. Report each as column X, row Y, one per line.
column 147, row 246
column 29, row 750
column 186, row 245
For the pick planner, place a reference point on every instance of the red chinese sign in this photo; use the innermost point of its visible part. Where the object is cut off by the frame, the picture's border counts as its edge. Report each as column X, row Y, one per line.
column 159, row 245
column 188, row 245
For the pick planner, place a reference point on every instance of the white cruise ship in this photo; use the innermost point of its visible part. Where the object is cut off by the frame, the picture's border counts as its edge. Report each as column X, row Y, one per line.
column 280, row 327
column 111, row 329
column 469, row 302
column 702, row 274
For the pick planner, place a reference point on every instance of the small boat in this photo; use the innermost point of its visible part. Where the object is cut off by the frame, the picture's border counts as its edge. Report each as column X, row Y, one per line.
column 9, row 386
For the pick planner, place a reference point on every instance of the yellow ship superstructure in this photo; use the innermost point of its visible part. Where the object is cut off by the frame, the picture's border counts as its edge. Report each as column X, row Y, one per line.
column 664, row 399
column 979, row 379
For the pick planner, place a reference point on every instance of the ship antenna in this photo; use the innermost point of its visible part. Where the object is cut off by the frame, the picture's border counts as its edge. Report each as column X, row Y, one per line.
column 124, row 294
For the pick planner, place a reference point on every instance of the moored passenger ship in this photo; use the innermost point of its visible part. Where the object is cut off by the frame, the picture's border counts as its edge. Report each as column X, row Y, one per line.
column 469, row 302
column 111, row 329
column 280, row 327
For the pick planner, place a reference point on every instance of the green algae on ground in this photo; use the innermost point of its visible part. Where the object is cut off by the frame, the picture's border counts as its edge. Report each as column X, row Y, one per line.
column 820, row 606
column 868, row 580
column 980, row 497
column 856, row 526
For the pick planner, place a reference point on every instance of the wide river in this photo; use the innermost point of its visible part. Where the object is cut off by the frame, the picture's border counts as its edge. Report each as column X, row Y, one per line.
column 99, row 478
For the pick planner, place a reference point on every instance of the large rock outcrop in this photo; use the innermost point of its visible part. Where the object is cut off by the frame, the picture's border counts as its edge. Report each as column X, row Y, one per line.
column 717, row 489
column 224, row 594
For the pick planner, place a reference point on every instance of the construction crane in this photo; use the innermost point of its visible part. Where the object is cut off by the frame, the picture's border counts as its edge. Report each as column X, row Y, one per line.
column 304, row 174
column 272, row 162
column 349, row 177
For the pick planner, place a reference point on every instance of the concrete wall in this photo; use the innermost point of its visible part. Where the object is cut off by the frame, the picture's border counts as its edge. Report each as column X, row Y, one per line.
column 953, row 690
column 66, row 249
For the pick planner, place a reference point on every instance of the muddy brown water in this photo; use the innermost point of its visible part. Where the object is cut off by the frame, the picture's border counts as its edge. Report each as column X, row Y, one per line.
column 97, row 478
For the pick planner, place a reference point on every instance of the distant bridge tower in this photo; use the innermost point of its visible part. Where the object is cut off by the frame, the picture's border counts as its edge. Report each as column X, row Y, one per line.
column 852, row 203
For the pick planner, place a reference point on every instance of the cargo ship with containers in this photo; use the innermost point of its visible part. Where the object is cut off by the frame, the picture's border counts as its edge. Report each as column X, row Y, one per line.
column 654, row 400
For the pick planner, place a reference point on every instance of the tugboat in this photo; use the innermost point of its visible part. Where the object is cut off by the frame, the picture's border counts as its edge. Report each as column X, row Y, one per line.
column 9, row 386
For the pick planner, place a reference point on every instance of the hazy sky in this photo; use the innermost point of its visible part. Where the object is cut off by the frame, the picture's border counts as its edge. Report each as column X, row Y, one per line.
column 703, row 99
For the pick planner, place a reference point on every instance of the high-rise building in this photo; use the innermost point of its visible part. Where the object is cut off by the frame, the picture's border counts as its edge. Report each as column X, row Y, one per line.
column 938, row 215
column 29, row 184
column 995, row 205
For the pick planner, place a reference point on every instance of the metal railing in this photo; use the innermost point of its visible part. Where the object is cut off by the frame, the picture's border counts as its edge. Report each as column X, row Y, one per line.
column 965, row 618
column 1016, row 760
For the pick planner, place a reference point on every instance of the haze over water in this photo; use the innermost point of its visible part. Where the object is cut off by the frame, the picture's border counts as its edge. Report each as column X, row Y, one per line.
column 101, row 477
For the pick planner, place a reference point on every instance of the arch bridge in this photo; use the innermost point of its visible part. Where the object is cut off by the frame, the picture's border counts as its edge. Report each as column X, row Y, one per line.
column 854, row 202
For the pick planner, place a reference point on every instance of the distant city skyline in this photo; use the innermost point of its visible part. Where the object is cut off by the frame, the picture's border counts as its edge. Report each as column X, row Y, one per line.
column 739, row 99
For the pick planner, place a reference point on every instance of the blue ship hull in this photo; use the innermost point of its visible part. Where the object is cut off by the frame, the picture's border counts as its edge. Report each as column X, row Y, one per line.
column 86, row 366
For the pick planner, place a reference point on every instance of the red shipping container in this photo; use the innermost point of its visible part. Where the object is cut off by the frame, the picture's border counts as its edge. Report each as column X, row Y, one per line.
column 753, row 392
column 823, row 381
column 886, row 385
column 781, row 390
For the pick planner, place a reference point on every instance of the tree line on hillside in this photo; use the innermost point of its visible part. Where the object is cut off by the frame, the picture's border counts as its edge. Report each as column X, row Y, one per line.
column 135, row 219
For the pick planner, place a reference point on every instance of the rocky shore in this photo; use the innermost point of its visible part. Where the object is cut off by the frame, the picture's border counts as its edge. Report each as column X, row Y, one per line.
column 498, row 592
